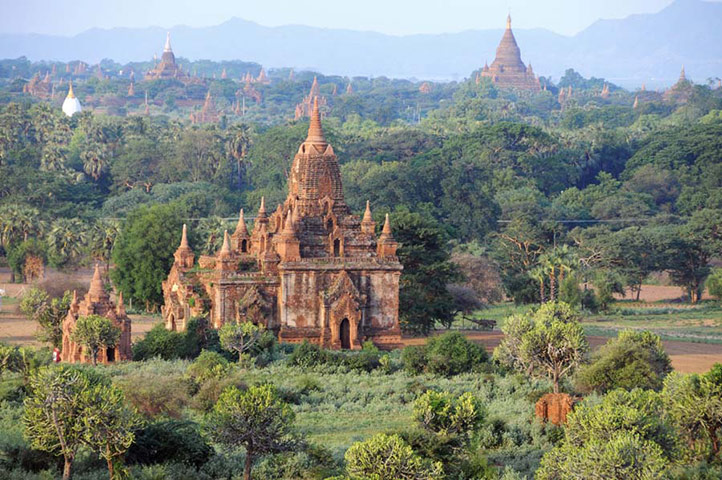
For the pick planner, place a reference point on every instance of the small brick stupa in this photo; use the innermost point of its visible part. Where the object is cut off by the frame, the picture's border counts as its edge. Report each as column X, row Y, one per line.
column 96, row 302
column 507, row 70
column 311, row 270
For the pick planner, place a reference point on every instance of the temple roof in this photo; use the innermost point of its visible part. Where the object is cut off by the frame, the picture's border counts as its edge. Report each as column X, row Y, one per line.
column 167, row 48
column 508, row 53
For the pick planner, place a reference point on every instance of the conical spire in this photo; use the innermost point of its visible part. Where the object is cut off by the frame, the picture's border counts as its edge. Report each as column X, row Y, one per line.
column 262, row 208
column 70, row 90
column 367, row 213
column 184, row 237
column 682, row 75
column 508, row 22
column 97, row 289
column 167, row 43
column 387, row 226
column 315, row 89
column 636, row 102
column 226, row 248
column 241, row 228
column 288, row 226
column 315, row 130
column 120, row 308
column 74, row 300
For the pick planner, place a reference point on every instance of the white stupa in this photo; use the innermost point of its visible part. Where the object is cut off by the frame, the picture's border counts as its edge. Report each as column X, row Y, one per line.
column 71, row 105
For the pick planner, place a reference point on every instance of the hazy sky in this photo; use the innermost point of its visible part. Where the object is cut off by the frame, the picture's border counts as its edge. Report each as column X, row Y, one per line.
column 398, row 17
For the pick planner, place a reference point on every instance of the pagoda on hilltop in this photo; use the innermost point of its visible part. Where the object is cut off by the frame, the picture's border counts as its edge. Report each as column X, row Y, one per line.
column 507, row 70
column 681, row 91
column 305, row 108
column 167, row 68
column 311, row 270
column 96, row 302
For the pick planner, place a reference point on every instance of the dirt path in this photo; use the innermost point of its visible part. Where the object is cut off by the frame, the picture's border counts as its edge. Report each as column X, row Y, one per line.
column 687, row 357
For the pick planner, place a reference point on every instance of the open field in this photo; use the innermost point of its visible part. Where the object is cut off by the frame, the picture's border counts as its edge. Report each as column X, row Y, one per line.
column 692, row 334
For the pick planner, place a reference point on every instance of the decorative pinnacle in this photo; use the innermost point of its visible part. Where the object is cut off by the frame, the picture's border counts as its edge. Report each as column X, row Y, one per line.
column 262, row 208
column 315, row 131
column 184, row 237
column 96, row 284
column 288, row 227
column 70, row 91
column 226, row 248
column 241, row 228
column 387, row 226
column 74, row 301
column 508, row 22
column 367, row 214
column 167, row 43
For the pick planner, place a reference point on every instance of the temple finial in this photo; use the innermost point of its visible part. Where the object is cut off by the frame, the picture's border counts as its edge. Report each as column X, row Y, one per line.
column 508, row 21
column 315, row 130
column 184, row 237
column 167, row 43
column 241, row 227
column 96, row 284
column 226, row 248
column 262, row 208
column 367, row 213
column 70, row 90
column 387, row 226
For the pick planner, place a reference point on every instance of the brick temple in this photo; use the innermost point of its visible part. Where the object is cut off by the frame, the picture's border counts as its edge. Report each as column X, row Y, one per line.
column 167, row 68
column 507, row 70
column 311, row 270
column 96, row 302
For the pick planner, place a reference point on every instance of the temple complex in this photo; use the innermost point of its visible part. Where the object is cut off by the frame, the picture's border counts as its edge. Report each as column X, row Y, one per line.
column 37, row 87
column 311, row 270
column 167, row 68
column 507, row 70
column 209, row 112
column 305, row 108
column 96, row 302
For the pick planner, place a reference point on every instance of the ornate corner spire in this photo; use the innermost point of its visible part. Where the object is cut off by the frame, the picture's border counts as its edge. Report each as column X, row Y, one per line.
column 226, row 248
column 367, row 223
column 120, row 308
column 184, row 237
column 387, row 226
column 241, row 228
column 288, row 226
column 262, row 208
column 74, row 300
column 315, row 130
column 367, row 213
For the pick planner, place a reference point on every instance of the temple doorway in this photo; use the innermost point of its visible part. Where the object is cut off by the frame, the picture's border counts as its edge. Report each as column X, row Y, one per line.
column 110, row 354
column 345, row 333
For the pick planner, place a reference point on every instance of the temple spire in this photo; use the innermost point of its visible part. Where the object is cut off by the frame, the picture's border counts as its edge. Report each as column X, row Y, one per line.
column 367, row 223
column 184, row 237
column 120, row 308
column 367, row 213
column 315, row 130
column 387, row 226
column 97, row 289
column 262, row 208
column 508, row 22
column 682, row 75
column 241, row 228
column 167, row 43
column 70, row 90
column 226, row 248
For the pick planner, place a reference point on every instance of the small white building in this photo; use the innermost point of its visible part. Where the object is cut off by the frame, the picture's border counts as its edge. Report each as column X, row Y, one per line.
column 71, row 105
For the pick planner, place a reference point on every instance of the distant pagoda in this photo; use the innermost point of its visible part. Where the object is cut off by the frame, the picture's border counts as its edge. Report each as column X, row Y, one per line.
column 208, row 114
column 305, row 108
column 681, row 91
column 507, row 70
column 167, row 68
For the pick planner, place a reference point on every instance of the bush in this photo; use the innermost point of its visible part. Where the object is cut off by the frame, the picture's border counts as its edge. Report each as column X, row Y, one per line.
column 714, row 283
column 413, row 359
column 452, row 353
column 169, row 441
column 569, row 291
column 388, row 457
column 307, row 355
column 155, row 394
column 208, row 365
column 632, row 360
column 168, row 345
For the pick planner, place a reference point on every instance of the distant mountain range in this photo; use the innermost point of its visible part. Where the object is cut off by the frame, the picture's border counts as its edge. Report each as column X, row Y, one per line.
column 648, row 48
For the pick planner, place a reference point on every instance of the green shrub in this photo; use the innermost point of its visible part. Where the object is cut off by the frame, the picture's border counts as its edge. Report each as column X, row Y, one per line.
column 155, row 394
column 714, row 283
column 452, row 353
column 632, row 360
column 309, row 464
column 388, row 457
column 208, row 365
column 169, row 441
column 569, row 291
column 413, row 359
column 308, row 354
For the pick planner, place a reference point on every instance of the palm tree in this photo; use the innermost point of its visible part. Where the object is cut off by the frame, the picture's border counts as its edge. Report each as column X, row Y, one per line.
column 94, row 159
column 103, row 237
column 539, row 274
column 67, row 239
column 212, row 229
column 238, row 144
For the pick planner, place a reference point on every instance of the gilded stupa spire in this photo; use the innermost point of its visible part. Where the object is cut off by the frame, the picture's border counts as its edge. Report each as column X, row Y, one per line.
column 167, row 48
column 70, row 90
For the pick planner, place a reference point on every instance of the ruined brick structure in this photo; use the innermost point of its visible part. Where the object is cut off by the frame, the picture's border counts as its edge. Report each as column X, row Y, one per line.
column 305, row 108
column 554, row 407
column 96, row 302
column 207, row 114
column 507, row 70
column 37, row 87
column 310, row 270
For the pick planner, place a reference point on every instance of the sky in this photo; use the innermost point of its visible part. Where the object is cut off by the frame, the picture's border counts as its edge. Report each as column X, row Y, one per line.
column 395, row 17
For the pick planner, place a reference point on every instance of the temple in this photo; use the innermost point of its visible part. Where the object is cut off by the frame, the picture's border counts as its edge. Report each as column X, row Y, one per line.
column 507, row 70
column 96, row 302
column 311, row 270
column 167, row 68
column 71, row 104
column 37, row 87
column 305, row 108
column 681, row 91
column 207, row 114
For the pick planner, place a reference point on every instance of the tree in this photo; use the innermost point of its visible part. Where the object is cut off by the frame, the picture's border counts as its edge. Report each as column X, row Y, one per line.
column 632, row 360
column 388, row 457
column 95, row 332
column 257, row 420
column 67, row 240
column 53, row 415
column 240, row 337
column 143, row 252
column 694, row 402
column 626, row 435
column 423, row 295
column 109, row 425
column 49, row 313
column 714, row 283
column 446, row 414
column 548, row 342
column 239, row 142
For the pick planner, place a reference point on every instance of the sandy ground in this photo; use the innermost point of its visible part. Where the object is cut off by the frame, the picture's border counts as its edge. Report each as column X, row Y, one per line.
column 658, row 293
column 687, row 357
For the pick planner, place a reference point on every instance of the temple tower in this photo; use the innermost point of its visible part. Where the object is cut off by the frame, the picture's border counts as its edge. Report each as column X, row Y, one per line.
column 507, row 70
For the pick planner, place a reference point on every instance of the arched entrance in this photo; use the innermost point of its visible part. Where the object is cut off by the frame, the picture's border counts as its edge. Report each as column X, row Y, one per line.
column 345, row 334
column 110, row 354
